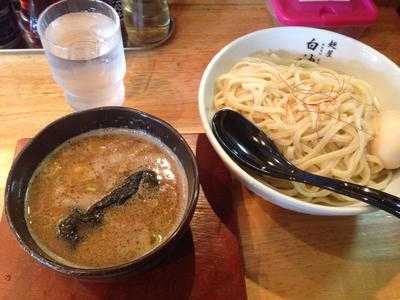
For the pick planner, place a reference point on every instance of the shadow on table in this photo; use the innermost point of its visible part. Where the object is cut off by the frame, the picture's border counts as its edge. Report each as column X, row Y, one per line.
column 216, row 183
column 316, row 257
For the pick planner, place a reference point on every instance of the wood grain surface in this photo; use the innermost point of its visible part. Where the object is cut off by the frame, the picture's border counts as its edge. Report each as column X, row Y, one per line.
column 206, row 264
column 286, row 255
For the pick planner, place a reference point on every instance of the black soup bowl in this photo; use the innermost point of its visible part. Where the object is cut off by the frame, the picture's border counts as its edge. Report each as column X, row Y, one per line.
column 68, row 127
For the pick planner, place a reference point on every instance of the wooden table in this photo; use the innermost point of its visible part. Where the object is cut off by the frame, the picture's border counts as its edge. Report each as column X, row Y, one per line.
column 287, row 255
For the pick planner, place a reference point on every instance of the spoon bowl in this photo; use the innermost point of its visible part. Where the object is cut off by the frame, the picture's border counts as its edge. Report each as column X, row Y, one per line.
column 253, row 150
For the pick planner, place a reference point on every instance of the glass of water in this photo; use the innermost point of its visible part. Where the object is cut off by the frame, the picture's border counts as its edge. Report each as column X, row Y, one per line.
column 83, row 44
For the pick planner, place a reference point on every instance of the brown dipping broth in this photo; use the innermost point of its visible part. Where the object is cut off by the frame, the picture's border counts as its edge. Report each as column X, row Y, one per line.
column 82, row 171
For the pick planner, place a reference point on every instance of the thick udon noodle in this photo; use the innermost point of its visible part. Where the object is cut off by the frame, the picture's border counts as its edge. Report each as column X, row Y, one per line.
column 320, row 119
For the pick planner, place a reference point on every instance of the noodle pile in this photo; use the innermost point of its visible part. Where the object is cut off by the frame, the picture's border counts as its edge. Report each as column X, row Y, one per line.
column 320, row 120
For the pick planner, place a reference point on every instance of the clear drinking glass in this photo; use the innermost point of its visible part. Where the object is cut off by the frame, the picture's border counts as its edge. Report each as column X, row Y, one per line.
column 83, row 44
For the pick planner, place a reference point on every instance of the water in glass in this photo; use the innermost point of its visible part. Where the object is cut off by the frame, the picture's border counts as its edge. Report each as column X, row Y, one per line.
column 85, row 52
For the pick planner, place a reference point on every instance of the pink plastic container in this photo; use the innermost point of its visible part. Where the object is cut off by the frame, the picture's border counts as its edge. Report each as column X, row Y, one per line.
column 346, row 17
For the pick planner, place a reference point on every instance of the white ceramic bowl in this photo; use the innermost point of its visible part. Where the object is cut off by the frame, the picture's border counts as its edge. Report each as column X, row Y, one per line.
column 333, row 50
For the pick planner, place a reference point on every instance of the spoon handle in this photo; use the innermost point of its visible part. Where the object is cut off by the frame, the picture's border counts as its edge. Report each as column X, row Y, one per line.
column 380, row 199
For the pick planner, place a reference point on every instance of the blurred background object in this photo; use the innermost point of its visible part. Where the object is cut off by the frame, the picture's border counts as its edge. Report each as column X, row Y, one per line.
column 349, row 17
column 144, row 23
column 147, row 21
column 10, row 36
column 28, row 17
column 117, row 5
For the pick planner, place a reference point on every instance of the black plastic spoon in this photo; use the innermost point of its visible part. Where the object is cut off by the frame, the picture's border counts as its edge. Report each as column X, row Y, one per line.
column 253, row 150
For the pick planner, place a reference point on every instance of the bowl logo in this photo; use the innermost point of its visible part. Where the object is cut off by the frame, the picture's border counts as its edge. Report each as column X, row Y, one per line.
column 316, row 49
